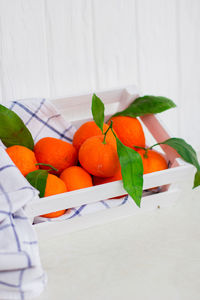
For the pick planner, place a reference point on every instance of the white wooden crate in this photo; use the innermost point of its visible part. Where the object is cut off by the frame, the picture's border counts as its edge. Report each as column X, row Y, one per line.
column 77, row 110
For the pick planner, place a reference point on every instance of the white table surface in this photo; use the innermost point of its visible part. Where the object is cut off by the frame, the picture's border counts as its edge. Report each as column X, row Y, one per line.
column 152, row 255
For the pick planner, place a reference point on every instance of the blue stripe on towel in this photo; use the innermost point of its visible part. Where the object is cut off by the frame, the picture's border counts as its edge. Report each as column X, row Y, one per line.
column 43, row 122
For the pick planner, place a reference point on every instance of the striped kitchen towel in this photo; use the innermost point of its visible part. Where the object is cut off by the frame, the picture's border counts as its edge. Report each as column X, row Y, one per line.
column 21, row 274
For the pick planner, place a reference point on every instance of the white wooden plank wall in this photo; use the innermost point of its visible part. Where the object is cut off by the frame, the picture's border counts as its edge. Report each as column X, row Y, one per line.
column 53, row 48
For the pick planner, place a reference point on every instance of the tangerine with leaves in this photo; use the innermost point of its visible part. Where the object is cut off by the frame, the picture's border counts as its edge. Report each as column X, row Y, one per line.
column 98, row 156
column 76, row 178
column 88, row 130
column 58, row 153
column 23, row 158
column 129, row 130
column 152, row 160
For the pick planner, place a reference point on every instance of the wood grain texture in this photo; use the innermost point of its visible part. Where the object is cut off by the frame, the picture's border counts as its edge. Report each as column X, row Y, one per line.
column 157, row 47
column 54, row 48
column 1, row 67
column 115, row 44
column 70, row 46
column 24, row 70
column 189, row 30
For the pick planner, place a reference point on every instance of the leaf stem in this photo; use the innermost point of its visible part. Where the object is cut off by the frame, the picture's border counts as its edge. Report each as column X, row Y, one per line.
column 157, row 144
column 47, row 165
column 139, row 147
column 145, row 155
column 105, row 133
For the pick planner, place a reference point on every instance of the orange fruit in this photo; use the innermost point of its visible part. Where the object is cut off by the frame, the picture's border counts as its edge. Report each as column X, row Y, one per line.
column 23, row 158
column 88, row 130
column 54, row 214
column 54, row 186
column 97, row 158
column 101, row 180
column 76, row 178
column 58, row 153
column 155, row 161
column 129, row 130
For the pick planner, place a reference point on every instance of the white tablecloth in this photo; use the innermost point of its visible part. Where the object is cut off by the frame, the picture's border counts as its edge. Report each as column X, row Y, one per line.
column 153, row 255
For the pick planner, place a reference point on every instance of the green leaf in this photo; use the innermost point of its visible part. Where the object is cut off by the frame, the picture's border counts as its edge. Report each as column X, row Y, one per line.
column 13, row 130
column 196, row 179
column 132, row 171
column 187, row 153
column 38, row 180
column 98, row 111
column 185, row 150
column 147, row 105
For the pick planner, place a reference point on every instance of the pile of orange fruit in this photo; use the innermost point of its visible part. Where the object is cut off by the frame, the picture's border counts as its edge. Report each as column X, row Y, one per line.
column 91, row 159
